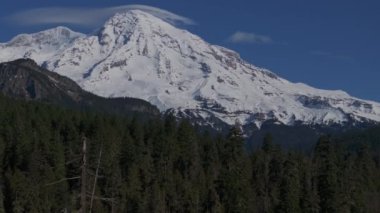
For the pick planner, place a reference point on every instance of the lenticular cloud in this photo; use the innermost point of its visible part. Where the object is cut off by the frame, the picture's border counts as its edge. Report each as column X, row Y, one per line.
column 88, row 17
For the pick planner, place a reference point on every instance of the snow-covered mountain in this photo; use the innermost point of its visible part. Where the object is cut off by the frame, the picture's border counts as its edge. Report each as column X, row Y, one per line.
column 38, row 46
column 138, row 55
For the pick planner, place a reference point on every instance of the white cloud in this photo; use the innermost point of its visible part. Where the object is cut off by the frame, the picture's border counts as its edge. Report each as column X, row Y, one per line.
column 244, row 37
column 87, row 17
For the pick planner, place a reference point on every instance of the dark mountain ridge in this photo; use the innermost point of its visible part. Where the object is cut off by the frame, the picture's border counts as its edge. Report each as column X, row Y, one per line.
column 24, row 79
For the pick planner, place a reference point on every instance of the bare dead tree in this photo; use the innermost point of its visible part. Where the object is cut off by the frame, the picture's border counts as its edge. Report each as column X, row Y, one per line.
column 96, row 178
column 83, row 197
column 63, row 179
column 83, row 177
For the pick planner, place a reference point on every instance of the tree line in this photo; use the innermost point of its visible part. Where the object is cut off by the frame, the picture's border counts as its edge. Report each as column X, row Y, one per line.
column 165, row 165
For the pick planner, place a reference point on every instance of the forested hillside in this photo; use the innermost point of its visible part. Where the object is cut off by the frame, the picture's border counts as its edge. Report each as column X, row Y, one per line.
column 166, row 166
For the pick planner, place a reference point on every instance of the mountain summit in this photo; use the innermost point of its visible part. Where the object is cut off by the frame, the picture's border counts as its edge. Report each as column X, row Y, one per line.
column 136, row 54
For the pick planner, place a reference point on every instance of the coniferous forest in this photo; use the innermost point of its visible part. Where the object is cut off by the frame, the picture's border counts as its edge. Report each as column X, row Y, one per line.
column 60, row 160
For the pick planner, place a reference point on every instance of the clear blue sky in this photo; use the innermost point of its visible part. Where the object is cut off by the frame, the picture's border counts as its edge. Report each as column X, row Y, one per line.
column 330, row 44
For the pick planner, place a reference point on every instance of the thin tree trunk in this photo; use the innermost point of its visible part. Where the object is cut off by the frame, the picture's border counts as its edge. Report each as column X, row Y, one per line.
column 96, row 178
column 83, row 178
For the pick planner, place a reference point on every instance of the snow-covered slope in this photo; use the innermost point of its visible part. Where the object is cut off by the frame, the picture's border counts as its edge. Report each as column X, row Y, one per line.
column 138, row 55
column 39, row 46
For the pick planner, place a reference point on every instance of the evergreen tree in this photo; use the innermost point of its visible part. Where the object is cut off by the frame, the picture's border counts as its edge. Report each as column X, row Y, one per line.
column 2, row 150
column 267, row 171
column 326, row 171
column 211, row 167
column 290, row 187
column 309, row 196
column 233, row 182
column 188, row 165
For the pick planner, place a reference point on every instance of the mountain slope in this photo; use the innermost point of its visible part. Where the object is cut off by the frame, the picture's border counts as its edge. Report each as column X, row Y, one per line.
column 24, row 79
column 39, row 46
column 138, row 55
